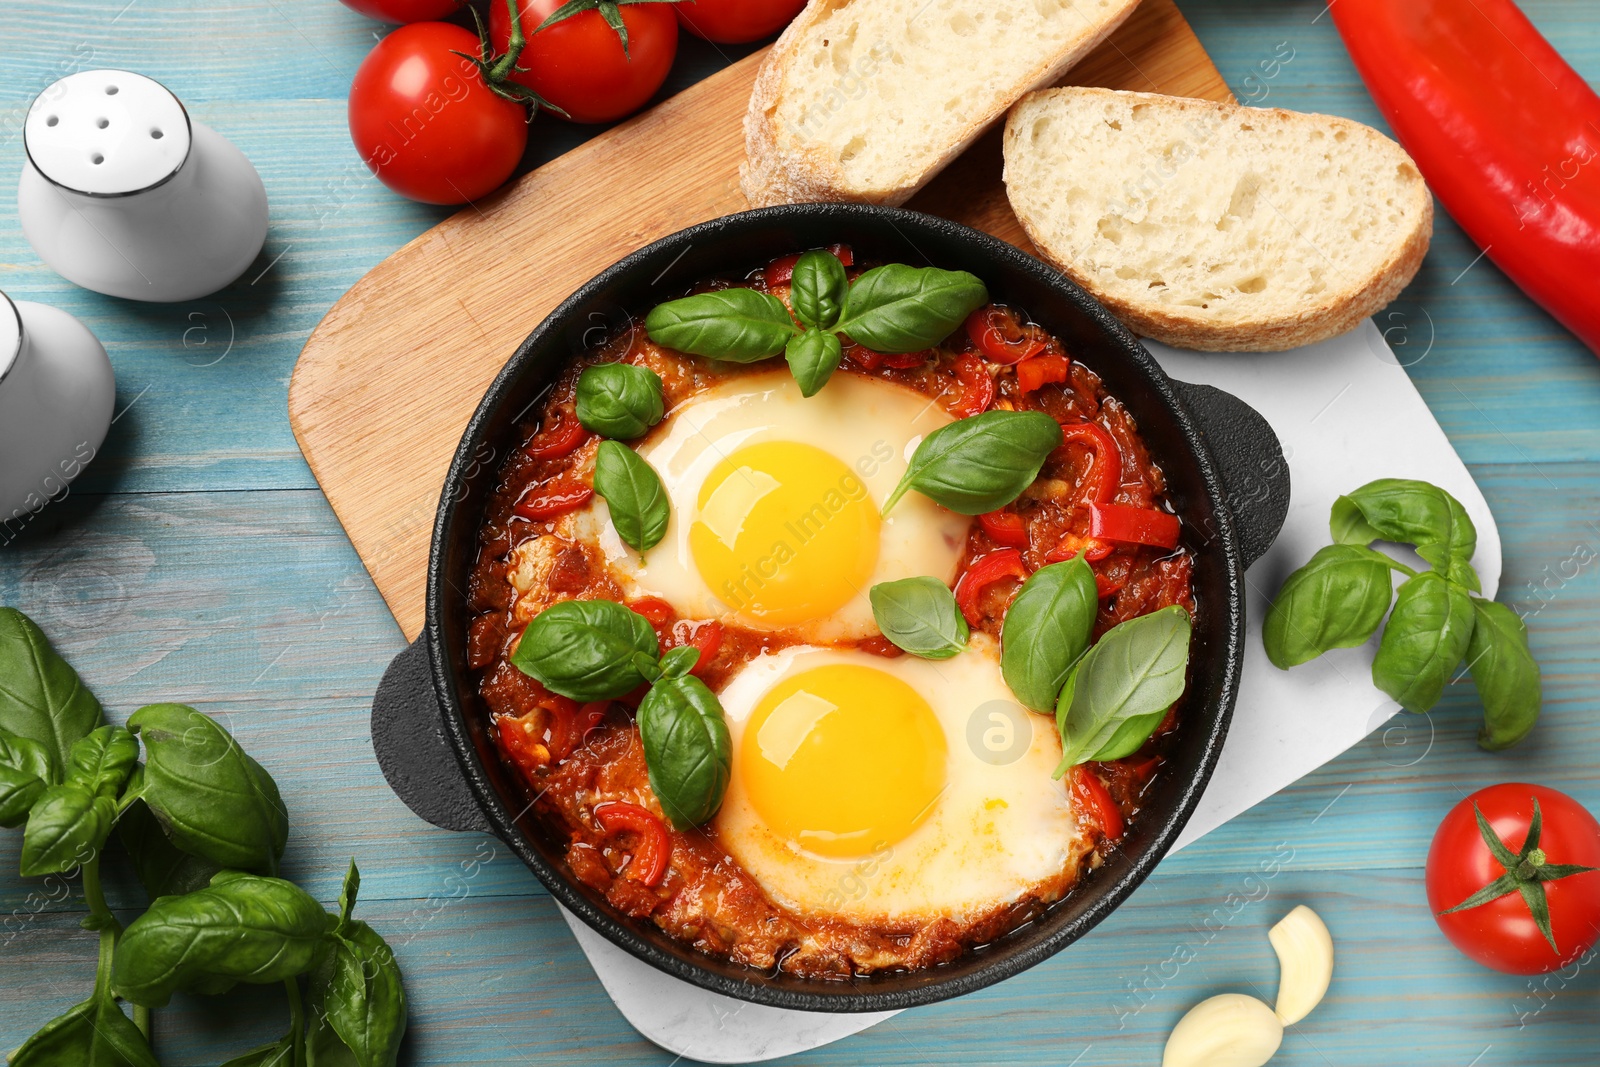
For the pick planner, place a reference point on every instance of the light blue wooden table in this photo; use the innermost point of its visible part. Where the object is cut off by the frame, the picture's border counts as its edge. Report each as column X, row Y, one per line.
column 197, row 562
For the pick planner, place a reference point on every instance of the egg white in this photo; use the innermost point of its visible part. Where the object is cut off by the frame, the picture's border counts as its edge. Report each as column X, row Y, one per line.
column 998, row 830
column 871, row 426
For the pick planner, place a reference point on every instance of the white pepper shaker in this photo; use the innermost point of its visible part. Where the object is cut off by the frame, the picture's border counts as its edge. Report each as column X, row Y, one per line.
column 56, row 395
column 124, row 194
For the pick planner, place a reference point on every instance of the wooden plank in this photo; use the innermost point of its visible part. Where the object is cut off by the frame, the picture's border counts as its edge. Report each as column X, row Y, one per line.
column 404, row 356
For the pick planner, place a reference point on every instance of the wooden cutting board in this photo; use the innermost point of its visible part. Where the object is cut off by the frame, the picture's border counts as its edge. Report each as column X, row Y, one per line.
column 393, row 372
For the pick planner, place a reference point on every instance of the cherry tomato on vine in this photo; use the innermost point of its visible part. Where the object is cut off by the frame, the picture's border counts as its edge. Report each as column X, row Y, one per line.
column 736, row 21
column 1512, row 878
column 403, row 11
column 425, row 121
column 579, row 66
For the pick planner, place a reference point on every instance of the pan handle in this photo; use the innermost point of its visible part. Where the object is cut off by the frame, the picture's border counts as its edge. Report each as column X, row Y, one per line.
column 1250, row 461
column 416, row 758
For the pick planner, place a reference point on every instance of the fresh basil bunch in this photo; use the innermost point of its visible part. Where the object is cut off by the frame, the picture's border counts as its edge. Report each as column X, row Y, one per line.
column 894, row 308
column 981, row 463
column 619, row 400
column 1118, row 693
column 197, row 805
column 920, row 616
column 1340, row 597
column 592, row 650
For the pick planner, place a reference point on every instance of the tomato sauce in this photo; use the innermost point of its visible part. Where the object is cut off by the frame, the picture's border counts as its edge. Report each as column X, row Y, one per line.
column 573, row 758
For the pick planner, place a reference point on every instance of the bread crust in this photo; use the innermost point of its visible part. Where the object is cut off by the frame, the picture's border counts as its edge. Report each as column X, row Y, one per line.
column 789, row 170
column 1336, row 312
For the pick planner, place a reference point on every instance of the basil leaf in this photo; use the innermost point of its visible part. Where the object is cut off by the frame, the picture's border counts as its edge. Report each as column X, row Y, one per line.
column 278, row 1054
column 213, row 800
column 1137, row 670
column 584, row 649
column 41, row 697
column 738, row 324
column 1337, row 600
column 67, row 827
column 92, row 1034
column 818, row 288
column 1428, row 633
column 619, row 400
column 633, row 492
column 1046, row 630
column 243, row 927
column 920, row 615
column 163, row 869
column 679, row 661
column 980, row 463
column 24, row 774
column 1130, row 736
column 356, row 987
column 686, row 748
column 896, row 308
column 1506, row 674
column 1414, row 513
column 102, row 761
column 324, row 1047
column 813, row 357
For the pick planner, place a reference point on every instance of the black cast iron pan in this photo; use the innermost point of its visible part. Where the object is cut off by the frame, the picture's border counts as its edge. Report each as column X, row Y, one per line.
column 1225, row 473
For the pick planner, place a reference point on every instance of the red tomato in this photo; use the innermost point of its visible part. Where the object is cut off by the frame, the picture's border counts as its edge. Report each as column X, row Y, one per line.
column 405, row 10
column 736, row 21
column 579, row 65
column 1502, row 933
column 425, row 122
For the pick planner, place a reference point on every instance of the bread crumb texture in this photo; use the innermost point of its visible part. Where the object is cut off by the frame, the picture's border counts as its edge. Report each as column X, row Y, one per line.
column 867, row 99
column 1212, row 225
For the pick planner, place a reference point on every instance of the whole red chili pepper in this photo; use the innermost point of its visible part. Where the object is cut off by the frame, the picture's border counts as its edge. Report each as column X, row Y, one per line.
column 1506, row 133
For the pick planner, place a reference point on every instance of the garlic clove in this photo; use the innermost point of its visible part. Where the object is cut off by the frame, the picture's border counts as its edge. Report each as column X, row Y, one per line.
column 1305, row 962
column 1230, row 1030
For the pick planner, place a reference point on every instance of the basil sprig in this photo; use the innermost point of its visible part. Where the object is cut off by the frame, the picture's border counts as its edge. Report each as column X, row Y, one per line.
column 600, row 650
column 981, row 463
column 196, row 804
column 619, row 400
column 1046, row 630
column 1340, row 597
column 686, row 744
column 634, row 495
column 1122, row 688
column 920, row 616
column 890, row 309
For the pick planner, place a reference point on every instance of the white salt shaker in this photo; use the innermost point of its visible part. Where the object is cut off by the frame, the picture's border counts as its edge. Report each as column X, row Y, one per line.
column 56, row 395
column 124, row 194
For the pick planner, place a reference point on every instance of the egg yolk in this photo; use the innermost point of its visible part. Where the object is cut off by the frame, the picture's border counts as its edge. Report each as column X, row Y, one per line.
column 785, row 533
column 843, row 760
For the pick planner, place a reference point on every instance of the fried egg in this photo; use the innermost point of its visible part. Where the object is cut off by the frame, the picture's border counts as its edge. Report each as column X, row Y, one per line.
column 883, row 790
column 775, row 501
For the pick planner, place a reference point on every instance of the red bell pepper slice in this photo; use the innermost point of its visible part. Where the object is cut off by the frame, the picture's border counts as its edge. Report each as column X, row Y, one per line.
column 1005, row 528
column 1042, row 369
column 1071, row 544
column 977, row 387
column 553, row 501
column 1138, row 526
column 1104, row 476
column 984, row 572
column 1098, row 802
column 999, row 338
column 705, row 636
column 1504, row 131
column 654, row 848
column 560, row 439
column 525, row 751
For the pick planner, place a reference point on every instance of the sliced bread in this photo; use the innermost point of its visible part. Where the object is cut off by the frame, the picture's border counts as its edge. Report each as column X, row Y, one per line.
column 866, row 100
column 1215, row 226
